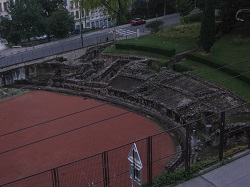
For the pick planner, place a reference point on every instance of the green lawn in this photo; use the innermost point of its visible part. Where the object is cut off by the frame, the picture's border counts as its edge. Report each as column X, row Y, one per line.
column 180, row 37
column 234, row 51
column 113, row 50
column 237, row 86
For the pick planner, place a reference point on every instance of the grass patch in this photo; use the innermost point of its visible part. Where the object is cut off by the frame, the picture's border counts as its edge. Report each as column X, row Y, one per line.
column 181, row 31
column 179, row 37
column 232, row 50
column 113, row 50
column 237, row 86
column 242, row 119
column 6, row 93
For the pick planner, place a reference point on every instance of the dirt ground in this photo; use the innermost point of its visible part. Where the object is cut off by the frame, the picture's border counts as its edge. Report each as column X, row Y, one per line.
column 42, row 130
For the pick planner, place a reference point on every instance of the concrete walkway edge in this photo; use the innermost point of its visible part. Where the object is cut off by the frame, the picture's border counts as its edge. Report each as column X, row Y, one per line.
column 233, row 171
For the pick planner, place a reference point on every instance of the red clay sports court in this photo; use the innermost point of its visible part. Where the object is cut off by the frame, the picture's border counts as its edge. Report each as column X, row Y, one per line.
column 42, row 130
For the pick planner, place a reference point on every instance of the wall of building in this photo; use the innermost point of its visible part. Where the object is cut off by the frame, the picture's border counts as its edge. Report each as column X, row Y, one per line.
column 96, row 18
column 3, row 8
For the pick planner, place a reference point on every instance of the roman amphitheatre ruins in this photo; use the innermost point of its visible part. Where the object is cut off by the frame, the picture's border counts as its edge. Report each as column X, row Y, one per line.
column 138, row 84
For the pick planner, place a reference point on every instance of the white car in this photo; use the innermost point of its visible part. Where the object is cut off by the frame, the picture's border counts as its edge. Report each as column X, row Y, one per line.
column 42, row 37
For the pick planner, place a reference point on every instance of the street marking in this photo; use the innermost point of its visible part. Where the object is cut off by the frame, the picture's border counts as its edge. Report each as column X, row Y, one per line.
column 123, row 32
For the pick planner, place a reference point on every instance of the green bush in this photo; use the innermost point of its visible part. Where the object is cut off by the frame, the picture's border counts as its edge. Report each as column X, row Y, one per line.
column 218, row 65
column 182, row 175
column 180, row 67
column 151, row 49
column 165, row 63
column 192, row 18
column 171, row 178
column 155, row 26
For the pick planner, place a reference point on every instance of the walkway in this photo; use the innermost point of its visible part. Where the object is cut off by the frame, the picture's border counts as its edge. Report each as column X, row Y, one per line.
column 234, row 174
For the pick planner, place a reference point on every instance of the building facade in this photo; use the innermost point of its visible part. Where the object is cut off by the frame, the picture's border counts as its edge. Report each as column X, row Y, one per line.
column 3, row 8
column 96, row 18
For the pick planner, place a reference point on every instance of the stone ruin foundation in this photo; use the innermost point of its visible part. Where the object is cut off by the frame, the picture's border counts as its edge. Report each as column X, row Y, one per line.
column 169, row 97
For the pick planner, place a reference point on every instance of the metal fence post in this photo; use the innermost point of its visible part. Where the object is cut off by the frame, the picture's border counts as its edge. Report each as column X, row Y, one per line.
column 105, row 167
column 149, row 160
column 222, row 127
column 248, row 137
column 187, row 155
column 55, row 177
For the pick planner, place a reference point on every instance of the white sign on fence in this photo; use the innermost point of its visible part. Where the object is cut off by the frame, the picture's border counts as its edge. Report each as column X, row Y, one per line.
column 135, row 165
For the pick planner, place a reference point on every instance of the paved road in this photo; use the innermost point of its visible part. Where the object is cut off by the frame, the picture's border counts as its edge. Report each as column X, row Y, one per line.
column 122, row 32
column 234, row 174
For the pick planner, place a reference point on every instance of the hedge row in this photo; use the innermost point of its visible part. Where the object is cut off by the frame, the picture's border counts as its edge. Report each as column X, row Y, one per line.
column 218, row 65
column 151, row 49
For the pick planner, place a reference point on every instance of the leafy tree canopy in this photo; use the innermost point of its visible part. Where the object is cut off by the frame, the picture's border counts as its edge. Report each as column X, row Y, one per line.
column 31, row 18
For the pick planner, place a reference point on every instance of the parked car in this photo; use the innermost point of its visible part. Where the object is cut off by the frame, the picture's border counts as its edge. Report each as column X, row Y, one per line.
column 137, row 21
column 75, row 31
column 42, row 37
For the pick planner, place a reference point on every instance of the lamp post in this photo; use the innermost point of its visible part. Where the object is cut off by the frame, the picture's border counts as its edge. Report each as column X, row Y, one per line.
column 147, row 8
column 81, row 25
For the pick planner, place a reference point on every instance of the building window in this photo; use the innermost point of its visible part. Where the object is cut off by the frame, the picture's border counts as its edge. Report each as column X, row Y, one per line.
column 76, row 5
column 1, row 7
column 71, row 4
column 96, row 13
column 77, row 14
column 82, row 13
column 87, row 13
column 72, row 14
column 5, row 6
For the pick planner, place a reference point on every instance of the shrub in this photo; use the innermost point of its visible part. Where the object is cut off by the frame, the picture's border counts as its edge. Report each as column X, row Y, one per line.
column 180, row 67
column 192, row 18
column 154, row 26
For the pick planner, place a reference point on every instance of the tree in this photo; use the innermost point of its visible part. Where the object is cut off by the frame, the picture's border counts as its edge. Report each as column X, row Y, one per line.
column 117, row 9
column 50, row 6
column 140, row 8
column 26, row 19
column 207, row 32
column 5, row 27
column 37, row 17
column 184, row 7
column 60, row 23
